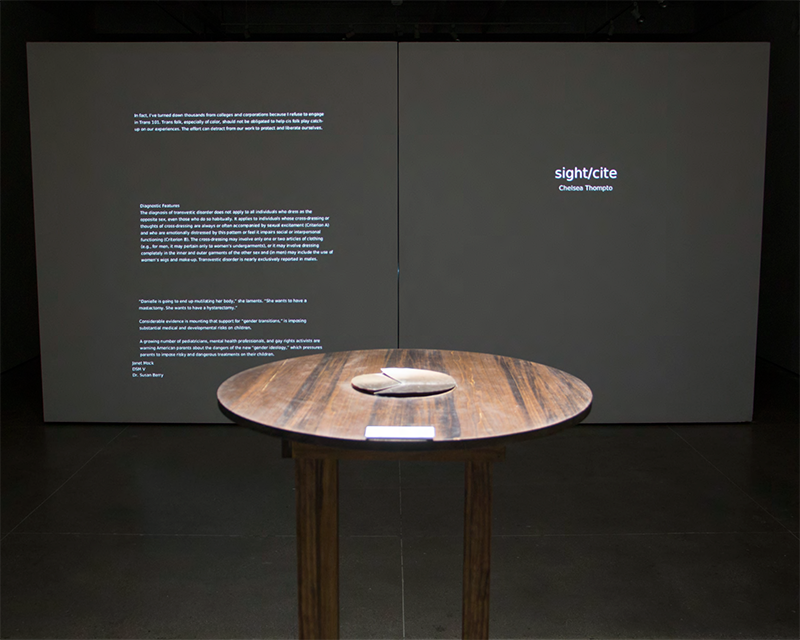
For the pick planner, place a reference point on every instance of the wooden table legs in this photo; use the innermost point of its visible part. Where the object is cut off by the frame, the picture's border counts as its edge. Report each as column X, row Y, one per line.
column 477, row 550
column 317, row 491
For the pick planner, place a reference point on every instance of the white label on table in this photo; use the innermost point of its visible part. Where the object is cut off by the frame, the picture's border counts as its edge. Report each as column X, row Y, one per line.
column 399, row 433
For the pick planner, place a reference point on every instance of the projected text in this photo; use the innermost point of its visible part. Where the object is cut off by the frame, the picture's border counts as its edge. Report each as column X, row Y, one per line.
column 273, row 326
column 169, row 234
column 228, row 122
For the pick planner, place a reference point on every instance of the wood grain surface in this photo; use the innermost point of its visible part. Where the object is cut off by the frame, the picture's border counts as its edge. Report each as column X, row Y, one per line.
column 497, row 399
column 317, row 497
column 477, row 550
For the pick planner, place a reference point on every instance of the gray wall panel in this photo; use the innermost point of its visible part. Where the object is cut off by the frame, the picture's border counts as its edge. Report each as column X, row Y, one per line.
column 92, row 171
column 647, row 292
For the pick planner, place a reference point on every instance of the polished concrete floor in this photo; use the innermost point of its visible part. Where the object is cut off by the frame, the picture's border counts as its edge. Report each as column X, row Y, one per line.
column 686, row 531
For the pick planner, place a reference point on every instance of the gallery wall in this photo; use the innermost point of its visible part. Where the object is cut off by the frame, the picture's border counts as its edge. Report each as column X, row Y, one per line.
column 201, row 208
column 641, row 278
column 595, row 207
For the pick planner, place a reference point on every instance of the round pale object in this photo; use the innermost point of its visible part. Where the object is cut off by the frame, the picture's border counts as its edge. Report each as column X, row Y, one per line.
column 394, row 381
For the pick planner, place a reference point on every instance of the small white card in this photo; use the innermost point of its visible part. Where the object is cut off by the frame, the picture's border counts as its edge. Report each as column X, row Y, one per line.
column 399, row 433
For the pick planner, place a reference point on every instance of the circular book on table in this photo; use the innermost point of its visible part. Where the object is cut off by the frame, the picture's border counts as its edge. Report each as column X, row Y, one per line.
column 404, row 382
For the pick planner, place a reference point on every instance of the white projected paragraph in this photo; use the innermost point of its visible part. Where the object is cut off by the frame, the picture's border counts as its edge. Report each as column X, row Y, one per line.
column 209, row 304
column 211, row 324
column 228, row 122
column 153, row 352
column 263, row 328
column 223, row 347
column 169, row 234
column 252, row 312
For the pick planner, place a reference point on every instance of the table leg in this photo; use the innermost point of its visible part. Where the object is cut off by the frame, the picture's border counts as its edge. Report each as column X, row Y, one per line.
column 317, row 547
column 477, row 550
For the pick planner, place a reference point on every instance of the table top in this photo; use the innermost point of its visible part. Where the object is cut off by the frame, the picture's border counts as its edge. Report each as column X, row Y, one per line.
column 497, row 399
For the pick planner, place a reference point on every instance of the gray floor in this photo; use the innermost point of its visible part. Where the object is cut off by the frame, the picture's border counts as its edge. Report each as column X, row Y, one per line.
column 600, row 532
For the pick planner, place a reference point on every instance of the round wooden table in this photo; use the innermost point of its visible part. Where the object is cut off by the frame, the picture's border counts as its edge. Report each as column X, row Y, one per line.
column 310, row 402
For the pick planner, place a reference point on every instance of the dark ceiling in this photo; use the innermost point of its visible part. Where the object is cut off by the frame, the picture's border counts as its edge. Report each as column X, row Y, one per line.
column 402, row 20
